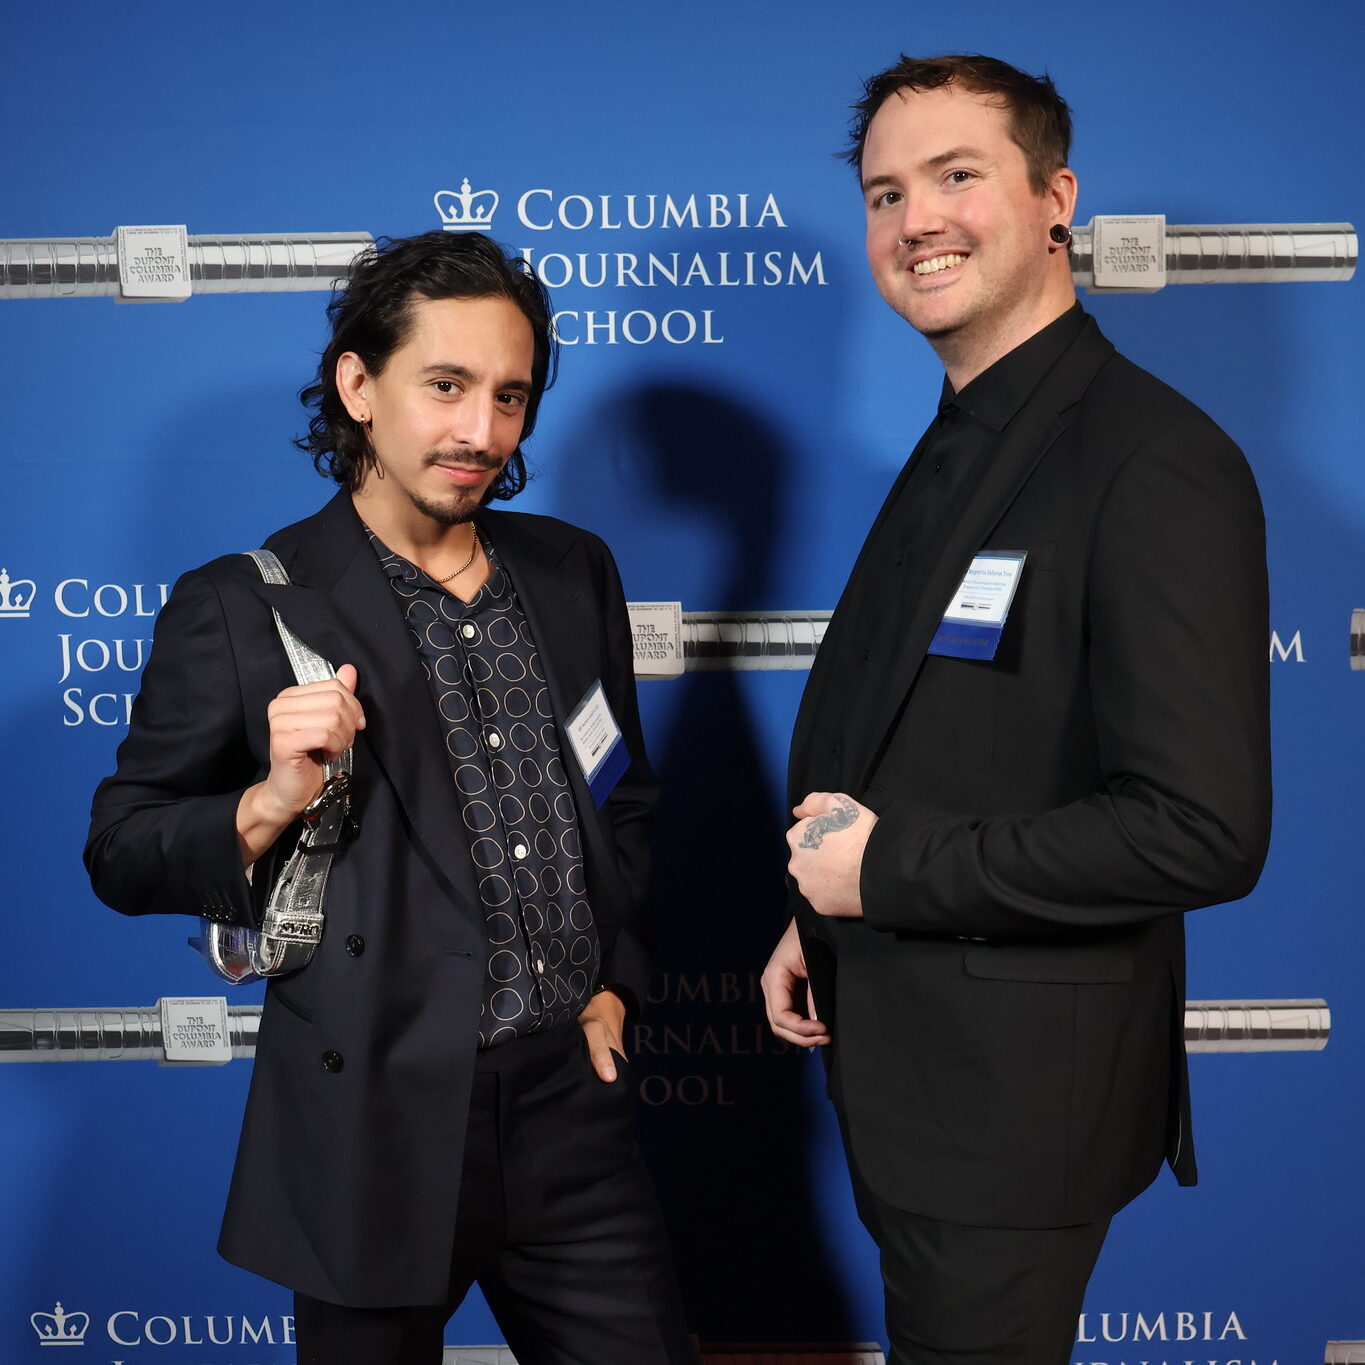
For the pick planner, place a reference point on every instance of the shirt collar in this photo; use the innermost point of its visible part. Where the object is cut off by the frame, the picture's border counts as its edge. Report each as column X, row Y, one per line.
column 396, row 566
column 997, row 393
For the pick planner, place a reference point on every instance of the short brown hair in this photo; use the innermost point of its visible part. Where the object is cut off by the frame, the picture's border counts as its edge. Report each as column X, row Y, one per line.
column 1040, row 122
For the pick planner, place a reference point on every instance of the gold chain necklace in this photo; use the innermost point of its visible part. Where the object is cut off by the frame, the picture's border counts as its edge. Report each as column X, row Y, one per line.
column 473, row 550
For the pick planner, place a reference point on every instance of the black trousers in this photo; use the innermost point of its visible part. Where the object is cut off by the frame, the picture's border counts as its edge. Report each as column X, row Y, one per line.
column 557, row 1222
column 958, row 1295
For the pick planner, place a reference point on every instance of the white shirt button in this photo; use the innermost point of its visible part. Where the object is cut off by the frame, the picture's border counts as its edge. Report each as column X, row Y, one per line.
column 519, row 850
column 540, row 964
column 467, row 631
column 494, row 740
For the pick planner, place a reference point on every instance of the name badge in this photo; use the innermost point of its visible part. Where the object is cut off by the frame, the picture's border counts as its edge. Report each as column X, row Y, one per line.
column 975, row 618
column 597, row 743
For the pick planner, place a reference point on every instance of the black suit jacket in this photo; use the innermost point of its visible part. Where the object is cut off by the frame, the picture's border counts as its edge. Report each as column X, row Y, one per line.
column 1007, row 1018
column 347, row 1181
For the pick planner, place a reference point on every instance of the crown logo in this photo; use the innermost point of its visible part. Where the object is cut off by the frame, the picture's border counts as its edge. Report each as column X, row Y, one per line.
column 16, row 594
column 60, row 1328
column 466, row 211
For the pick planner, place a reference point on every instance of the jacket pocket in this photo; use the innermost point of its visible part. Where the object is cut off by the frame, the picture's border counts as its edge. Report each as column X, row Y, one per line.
column 279, row 994
column 1056, row 963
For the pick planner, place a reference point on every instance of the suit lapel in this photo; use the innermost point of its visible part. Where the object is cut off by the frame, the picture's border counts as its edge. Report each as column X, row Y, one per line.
column 1025, row 441
column 340, row 603
column 552, row 585
column 822, row 682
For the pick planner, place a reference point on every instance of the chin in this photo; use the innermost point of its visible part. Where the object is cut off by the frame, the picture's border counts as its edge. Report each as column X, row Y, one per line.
column 924, row 316
column 937, row 331
column 459, row 509
column 932, row 325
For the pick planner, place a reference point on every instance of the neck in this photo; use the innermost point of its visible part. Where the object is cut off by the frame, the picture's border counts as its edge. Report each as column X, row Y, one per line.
column 966, row 354
column 410, row 532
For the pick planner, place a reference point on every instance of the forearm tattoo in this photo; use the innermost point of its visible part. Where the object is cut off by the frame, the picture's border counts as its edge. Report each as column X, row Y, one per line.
column 841, row 818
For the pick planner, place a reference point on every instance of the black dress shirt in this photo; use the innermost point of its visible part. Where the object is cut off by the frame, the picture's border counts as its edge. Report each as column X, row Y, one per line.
column 519, row 819
column 921, row 509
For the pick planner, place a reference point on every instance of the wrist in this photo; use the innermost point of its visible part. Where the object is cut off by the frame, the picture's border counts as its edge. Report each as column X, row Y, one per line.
column 261, row 818
column 273, row 808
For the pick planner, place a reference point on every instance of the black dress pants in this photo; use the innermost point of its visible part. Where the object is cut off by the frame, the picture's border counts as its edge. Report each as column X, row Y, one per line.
column 557, row 1222
column 958, row 1295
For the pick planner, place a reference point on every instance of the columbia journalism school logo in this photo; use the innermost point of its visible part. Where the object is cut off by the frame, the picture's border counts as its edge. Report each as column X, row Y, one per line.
column 635, row 242
column 16, row 594
column 60, row 1328
column 466, row 210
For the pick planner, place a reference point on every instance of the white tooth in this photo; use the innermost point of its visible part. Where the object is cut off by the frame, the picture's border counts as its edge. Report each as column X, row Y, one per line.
column 932, row 267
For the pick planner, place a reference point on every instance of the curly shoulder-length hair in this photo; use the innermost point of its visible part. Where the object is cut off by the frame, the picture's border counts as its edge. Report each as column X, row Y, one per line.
column 372, row 316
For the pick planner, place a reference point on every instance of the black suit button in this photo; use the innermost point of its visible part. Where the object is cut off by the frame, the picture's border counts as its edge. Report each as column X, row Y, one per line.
column 867, row 654
column 333, row 1061
column 355, row 945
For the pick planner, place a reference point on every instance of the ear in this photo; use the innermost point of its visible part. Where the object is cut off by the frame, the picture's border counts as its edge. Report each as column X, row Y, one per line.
column 1061, row 196
column 352, row 377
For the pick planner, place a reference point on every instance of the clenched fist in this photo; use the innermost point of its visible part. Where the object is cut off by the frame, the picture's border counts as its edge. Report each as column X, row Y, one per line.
column 309, row 724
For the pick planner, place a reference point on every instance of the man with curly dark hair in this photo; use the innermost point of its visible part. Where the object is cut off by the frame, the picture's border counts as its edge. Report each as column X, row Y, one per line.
column 440, row 1095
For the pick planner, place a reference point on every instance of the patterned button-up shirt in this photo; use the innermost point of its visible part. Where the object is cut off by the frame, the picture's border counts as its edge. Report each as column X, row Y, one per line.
column 518, row 813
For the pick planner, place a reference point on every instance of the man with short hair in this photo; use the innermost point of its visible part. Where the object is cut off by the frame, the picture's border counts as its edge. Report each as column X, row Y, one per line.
column 1035, row 733
column 439, row 1095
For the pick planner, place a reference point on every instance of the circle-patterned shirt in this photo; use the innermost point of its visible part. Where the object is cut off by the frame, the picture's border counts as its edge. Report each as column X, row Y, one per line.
column 518, row 812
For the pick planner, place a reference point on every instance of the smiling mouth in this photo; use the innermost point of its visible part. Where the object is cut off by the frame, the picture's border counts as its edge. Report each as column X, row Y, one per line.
column 936, row 264
column 465, row 466
column 464, row 473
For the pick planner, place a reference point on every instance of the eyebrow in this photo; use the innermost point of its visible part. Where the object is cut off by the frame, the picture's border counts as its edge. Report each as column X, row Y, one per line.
column 468, row 375
column 957, row 154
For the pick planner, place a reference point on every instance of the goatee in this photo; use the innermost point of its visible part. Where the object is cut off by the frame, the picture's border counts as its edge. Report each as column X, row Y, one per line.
column 461, row 505
column 456, row 512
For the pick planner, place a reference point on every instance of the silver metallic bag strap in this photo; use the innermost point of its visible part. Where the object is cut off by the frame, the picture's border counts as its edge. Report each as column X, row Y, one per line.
column 291, row 926
column 309, row 666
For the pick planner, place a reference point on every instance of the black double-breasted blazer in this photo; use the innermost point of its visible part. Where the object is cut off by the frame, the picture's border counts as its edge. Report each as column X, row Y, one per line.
column 347, row 1175
column 1008, row 1016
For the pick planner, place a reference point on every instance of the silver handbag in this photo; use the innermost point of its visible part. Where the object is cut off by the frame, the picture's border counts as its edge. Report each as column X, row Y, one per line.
column 291, row 925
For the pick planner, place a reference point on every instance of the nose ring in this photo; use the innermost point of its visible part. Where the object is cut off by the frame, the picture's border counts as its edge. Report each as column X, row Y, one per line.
column 904, row 241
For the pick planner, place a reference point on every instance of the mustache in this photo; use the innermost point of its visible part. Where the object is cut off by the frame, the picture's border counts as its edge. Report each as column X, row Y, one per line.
column 939, row 247
column 478, row 459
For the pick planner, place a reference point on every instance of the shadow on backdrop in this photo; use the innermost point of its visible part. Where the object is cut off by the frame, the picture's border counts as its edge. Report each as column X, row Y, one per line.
column 725, row 1107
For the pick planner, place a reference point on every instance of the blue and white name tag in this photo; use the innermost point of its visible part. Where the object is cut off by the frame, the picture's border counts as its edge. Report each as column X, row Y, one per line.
column 971, row 626
column 597, row 743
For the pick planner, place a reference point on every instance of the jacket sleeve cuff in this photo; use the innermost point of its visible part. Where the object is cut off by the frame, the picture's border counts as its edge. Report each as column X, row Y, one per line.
column 887, row 898
column 626, row 971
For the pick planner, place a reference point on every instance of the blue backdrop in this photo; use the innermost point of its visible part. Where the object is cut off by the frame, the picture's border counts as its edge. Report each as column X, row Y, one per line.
column 731, row 435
